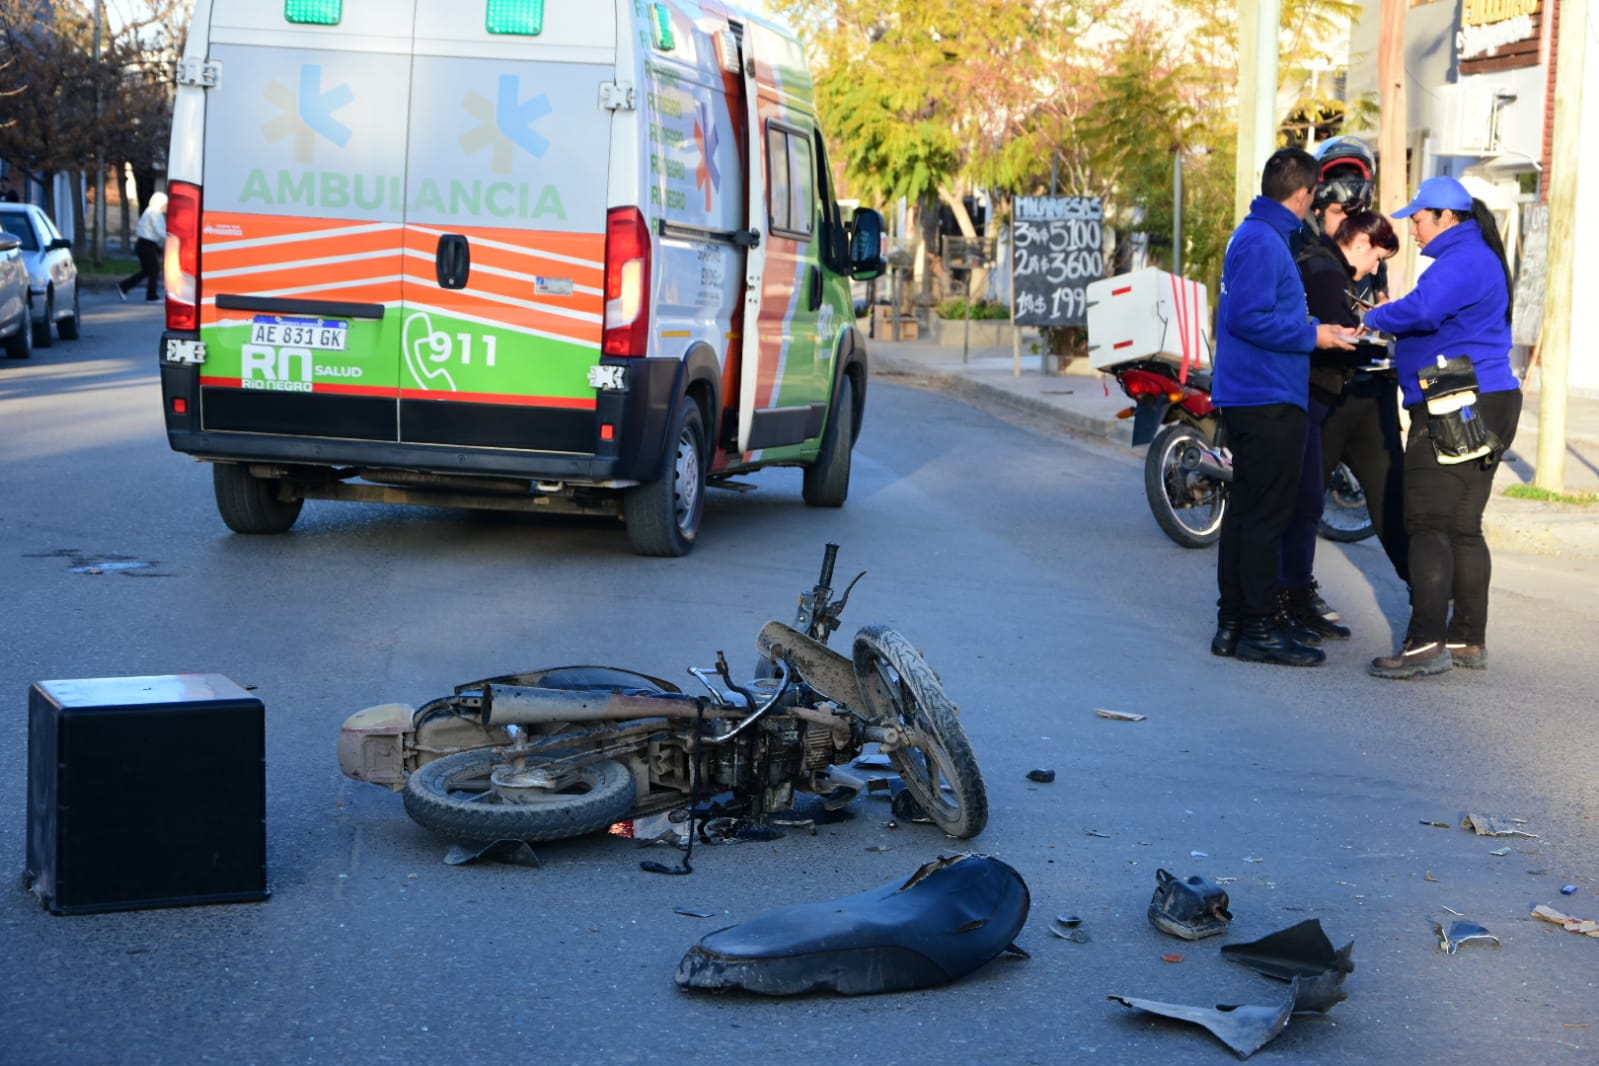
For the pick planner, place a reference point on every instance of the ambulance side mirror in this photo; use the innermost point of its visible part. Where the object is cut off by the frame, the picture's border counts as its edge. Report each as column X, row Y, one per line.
column 866, row 244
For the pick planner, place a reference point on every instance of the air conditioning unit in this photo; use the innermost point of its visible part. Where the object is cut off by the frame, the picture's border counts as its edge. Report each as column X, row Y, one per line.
column 1467, row 120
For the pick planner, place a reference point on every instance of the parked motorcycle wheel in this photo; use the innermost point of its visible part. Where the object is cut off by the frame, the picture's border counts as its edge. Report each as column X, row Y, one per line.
column 455, row 796
column 1344, row 516
column 1188, row 506
column 934, row 759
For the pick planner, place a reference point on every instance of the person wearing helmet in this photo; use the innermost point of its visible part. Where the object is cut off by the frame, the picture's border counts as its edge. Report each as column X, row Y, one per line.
column 1354, row 410
column 1455, row 327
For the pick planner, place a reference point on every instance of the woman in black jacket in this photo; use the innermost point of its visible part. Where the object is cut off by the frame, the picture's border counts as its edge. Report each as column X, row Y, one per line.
column 1332, row 266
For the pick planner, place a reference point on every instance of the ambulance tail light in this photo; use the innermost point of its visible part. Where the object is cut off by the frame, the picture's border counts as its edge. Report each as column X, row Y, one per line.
column 181, row 266
column 627, row 283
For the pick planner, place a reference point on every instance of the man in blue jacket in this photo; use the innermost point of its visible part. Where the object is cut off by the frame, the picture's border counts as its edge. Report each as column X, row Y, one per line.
column 1264, row 337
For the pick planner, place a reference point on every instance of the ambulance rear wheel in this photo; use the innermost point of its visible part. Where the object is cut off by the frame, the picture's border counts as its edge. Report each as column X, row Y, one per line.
column 827, row 479
column 663, row 516
column 249, row 504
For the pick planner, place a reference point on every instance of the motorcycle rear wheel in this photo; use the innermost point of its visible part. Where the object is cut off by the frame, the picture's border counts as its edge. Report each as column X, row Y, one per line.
column 935, row 759
column 1187, row 506
column 454, row 796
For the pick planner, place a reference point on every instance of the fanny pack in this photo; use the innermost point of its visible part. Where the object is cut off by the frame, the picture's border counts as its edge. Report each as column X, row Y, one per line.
column 1457, row 432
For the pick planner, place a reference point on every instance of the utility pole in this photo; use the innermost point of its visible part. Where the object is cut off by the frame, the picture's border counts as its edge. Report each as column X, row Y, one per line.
column 1177, row 211
column 1550, row 469
column 1393, row 189
column 1259, row 22
column 99, row 140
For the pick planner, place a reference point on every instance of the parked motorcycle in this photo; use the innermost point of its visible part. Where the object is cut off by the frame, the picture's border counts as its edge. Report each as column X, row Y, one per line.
column 557, row 753
column 1188, row 466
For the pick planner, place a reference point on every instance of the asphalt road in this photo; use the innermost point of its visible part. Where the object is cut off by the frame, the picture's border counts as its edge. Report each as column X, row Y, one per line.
column 1026, row 567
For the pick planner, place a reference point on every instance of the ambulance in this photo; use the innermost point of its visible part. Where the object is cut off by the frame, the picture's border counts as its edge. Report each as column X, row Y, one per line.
column 577, row 256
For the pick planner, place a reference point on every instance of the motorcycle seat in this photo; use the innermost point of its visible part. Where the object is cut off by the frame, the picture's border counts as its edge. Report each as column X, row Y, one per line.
column 950, row 917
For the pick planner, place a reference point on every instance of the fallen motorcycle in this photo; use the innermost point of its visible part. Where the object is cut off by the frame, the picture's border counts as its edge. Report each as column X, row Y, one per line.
column 562, row 752
column 1188, row 466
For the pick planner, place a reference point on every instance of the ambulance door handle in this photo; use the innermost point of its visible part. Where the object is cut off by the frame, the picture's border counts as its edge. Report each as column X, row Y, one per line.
column 815, row 284
column 453, row 262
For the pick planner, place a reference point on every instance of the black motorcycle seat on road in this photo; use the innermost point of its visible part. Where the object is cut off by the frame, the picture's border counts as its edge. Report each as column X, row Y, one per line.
column 950, row 917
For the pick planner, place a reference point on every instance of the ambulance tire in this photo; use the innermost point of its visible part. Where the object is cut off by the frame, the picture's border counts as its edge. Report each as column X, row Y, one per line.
column 663, row 516
column 827, row 479
column 249, row 504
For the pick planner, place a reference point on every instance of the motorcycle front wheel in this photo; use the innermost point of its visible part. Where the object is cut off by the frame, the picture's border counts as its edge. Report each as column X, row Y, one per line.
column 933, row 756
column 1187, row 505
column 1344, row 515
column 457, row 797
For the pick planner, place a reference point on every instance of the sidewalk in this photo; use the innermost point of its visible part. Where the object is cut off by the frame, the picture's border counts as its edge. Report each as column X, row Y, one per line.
column 1078, row 401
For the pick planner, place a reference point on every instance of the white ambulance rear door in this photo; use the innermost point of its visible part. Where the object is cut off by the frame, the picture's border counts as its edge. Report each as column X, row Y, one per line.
column 507, row 168
column 303, row 203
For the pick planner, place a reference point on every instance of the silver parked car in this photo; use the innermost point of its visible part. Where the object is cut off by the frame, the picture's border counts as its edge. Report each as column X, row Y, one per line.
column 52, row 273
column 16, row 323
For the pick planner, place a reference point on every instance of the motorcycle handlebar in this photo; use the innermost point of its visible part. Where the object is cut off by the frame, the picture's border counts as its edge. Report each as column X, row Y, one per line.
column 829, row 557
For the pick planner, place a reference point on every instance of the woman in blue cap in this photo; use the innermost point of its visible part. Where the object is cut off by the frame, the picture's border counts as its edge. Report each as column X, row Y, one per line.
column 1459, row 307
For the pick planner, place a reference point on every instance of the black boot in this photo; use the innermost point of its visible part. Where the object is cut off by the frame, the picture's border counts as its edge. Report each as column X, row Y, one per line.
column 1300, row 604
column 1262, row 642
column 1290, row 626
column 1225, row 642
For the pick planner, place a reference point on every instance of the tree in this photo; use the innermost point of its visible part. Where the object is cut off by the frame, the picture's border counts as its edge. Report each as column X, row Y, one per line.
column 52, row 82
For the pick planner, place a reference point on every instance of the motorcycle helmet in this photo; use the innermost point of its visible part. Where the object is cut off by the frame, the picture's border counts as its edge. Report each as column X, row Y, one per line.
column 1347, row 173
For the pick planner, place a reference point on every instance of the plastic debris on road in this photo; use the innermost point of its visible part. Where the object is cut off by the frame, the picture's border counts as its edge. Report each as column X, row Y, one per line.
column 1486, row 825
column 1301, row 950
column 1119, row 716
column 1582, row 926
column 1244, row 1028
column 1190, row 909
column 1458, row 932
column 1069, row 927
column 511, row 852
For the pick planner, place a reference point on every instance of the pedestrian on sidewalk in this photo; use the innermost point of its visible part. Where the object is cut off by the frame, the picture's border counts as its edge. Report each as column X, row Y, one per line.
column 150, row 247
column 1333, row 266
column 1264, row 336
column 1459, row 307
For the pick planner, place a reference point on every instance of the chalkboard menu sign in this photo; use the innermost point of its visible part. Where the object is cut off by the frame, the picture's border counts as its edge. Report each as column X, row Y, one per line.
column 1526, row 309
column 1058, row 249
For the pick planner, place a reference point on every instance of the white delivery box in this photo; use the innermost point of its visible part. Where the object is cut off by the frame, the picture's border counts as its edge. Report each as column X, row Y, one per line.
column 1148, row 314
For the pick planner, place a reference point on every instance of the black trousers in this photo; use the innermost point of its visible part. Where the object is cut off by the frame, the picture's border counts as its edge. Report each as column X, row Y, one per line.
column 150, row 255
column 1443, row 512
column 1268, row 444
column 1362, row 432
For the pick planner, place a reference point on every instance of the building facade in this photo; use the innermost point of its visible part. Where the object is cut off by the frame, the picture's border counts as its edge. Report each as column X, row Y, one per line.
column 1480, row 94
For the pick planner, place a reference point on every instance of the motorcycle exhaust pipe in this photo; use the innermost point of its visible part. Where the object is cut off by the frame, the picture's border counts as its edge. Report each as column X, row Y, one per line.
column 521, row 705
column 1202, row 461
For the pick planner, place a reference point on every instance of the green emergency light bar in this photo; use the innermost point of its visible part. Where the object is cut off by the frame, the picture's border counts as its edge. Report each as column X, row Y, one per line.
column 523, row 17
column 314, row 12
column 663, row 27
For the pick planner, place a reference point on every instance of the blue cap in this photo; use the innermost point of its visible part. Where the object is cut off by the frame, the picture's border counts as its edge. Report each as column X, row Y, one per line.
column 1436, row 194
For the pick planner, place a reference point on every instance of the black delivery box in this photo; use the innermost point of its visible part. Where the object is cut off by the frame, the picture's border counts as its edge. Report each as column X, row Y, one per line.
column 145, row 792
